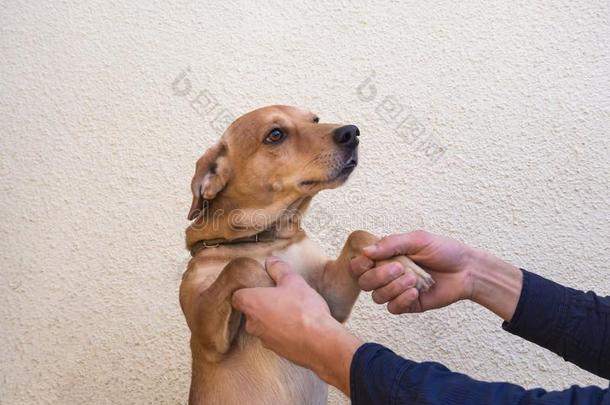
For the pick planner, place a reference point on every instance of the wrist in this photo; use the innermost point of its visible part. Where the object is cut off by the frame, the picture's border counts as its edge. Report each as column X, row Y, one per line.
column 333, row 348
column 495, row 284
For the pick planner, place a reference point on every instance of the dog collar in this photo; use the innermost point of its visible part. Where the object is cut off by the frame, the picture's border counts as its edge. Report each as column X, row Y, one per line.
column 264, row 236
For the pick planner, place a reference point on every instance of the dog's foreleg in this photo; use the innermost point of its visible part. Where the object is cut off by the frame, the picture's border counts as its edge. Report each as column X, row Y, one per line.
column 212, row 320
column 336, row 285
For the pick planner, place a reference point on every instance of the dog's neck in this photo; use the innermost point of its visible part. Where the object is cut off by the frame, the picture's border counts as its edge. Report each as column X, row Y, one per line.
column 221, row 223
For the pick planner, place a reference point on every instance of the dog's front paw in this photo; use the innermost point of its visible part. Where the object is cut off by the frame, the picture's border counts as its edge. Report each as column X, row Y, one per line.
column 423, row 280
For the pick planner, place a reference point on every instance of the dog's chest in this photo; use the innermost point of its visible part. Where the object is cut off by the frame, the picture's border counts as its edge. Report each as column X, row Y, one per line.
column 304, row 257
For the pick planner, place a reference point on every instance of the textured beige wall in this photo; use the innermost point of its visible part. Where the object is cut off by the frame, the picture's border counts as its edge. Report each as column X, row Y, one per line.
column 97, row 151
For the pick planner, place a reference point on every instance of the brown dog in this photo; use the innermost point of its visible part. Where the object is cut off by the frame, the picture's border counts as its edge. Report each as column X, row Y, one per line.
column 250, row 191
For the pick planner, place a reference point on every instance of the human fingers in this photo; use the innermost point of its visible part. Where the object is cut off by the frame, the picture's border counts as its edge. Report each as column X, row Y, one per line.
column 407, row 302
column 398, row 244
column 359, row 265
column 378, row 277
column 276, row 268
column 394, row 288
column 242, row 299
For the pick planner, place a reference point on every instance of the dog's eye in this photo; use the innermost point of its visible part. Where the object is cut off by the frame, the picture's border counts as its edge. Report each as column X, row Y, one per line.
column 316, row 119
column 275, row 136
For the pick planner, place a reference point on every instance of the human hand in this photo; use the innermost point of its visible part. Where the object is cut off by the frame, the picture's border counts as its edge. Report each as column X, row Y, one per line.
column 294, row 321
column 448, row 261
column 459, row 271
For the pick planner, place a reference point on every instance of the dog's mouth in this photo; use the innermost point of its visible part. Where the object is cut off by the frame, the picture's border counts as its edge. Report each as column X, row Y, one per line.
column 349, row 167
column 340, row 175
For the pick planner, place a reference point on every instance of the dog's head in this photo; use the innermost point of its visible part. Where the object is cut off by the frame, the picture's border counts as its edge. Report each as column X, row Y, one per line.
column 267, row 162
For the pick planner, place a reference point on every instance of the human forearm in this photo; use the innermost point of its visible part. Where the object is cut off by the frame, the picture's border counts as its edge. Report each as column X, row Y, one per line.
column 379, row 376
column 564, row 320
column 332, row 348
column 496, row 284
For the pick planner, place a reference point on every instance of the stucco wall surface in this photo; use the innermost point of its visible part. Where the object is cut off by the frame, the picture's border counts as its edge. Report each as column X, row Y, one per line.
column 485, row 121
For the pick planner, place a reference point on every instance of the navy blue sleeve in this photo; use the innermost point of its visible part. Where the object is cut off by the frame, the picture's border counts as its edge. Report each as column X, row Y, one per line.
column 571, row 323
column 379, row 376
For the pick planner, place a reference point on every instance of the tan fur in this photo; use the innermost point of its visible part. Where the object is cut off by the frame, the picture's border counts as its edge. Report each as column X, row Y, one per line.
column 242, row 186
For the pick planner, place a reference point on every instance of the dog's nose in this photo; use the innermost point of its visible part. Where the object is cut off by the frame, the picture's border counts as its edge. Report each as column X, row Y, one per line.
column 346, row 135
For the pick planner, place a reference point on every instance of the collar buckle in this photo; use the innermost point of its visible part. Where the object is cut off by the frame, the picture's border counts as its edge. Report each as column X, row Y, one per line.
column 206, row 246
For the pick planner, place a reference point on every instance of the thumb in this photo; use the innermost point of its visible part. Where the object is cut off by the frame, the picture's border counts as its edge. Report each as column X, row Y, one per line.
column 277, row 269
column 399, row 244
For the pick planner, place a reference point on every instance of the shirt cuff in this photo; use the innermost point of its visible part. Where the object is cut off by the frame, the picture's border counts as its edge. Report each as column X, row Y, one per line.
column 375, row 373
column 541, row 311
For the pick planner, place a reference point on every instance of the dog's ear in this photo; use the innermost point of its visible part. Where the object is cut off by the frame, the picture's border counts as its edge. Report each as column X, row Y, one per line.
column 211, row 175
